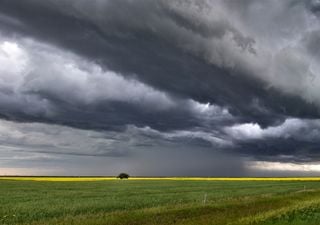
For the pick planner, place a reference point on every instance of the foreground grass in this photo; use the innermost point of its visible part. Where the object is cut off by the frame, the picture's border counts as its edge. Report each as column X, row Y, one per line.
column 159, row 202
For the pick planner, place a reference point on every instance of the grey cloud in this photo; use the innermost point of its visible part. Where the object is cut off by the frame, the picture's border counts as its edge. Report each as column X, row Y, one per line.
column 62, row 140
column 294, row 140
column 53, row 139
column 305, row 129
column 314, row 6
column 141, row 150
column 312, row 41
column 44, row 84
column 155, row 43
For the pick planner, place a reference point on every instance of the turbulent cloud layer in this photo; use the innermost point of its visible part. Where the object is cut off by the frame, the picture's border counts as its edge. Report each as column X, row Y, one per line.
column 131, row 81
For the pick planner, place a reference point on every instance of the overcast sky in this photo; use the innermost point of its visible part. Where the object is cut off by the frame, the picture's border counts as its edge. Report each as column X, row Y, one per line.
column 160, row 88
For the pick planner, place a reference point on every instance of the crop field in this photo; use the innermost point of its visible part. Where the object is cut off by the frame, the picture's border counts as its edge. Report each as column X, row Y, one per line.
column 138, row 201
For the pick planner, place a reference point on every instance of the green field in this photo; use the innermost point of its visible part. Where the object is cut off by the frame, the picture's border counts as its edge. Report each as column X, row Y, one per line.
column 159, row 202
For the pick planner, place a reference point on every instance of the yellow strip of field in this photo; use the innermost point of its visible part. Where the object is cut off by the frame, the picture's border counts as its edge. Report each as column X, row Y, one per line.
column 59, row 178
column 73, row 179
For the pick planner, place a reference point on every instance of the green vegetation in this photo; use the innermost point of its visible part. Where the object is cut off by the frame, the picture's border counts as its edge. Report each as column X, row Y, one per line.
column 159, row 202
column 123, row 176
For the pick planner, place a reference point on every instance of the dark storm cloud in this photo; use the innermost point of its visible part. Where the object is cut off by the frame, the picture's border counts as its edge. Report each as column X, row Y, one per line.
column 220, row 75
column 145, row 46
column 294, row 140
column 314, row 6
column 79, row 93
column 312, row 41
column 281, row 150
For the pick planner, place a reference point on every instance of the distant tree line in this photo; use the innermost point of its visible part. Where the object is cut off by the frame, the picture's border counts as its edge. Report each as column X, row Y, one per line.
column 123, row 176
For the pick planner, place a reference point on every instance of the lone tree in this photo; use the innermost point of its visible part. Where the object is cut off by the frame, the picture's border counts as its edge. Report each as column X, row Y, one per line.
column 123, row 176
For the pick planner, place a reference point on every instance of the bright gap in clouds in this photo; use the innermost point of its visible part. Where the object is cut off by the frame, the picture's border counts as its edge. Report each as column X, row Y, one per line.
column 283, row 166
column 27, row 171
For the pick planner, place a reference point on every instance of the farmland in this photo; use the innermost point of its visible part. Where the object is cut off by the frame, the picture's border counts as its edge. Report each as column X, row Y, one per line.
column 95, row 201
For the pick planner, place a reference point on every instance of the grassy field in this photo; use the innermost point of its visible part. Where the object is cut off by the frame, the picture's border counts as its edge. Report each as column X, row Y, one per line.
column 103, row 201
